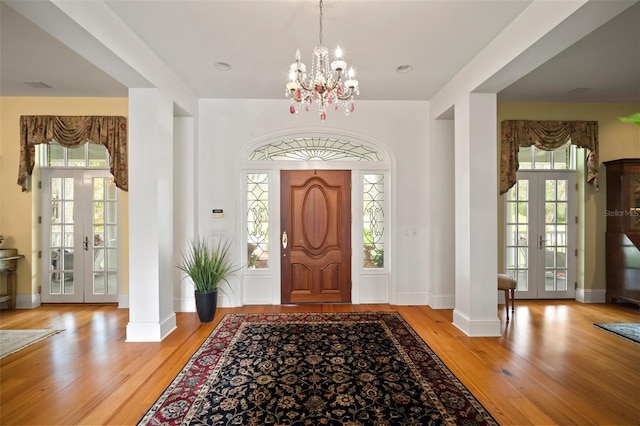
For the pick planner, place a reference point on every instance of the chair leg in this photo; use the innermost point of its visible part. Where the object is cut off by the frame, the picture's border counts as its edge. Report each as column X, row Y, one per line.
column 513, row 299
column 506, row 302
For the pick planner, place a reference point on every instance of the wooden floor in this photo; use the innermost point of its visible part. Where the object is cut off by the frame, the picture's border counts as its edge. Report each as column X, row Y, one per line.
column 551, row 366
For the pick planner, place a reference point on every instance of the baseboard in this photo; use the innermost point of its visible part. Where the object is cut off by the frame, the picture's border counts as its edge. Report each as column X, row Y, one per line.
column 151, row 331
column 476, row 328
column 31, row 301
column 123, row 301
column 591, row 296
column 408, row 299
column 27, row 301
column 184, row 305
column 442, row 302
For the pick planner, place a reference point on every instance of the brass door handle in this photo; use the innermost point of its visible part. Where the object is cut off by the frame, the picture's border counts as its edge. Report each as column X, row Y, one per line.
column 284, row 240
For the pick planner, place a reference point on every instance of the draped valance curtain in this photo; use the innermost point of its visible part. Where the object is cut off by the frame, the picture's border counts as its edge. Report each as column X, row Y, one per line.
column 545, row 135
column 72, row 132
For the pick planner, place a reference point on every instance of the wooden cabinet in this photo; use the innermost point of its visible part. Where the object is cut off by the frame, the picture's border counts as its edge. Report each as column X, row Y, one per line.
column 9, row 264
column 623, row 230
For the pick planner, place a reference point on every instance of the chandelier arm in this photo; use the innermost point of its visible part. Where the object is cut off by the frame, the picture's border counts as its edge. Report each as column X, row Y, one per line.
column 336, row 84
column 347, row 96
column 305, row 87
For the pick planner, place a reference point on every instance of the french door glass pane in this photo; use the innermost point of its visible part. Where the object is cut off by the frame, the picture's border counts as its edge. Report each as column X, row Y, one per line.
column 61, row 241
column 105, row 261
column 517, row 233
column 562, row 190
column 523, row 258
column 511, row 212
column 523, row 235
column 556, row 235
column 511, row 235
column 523, row 190
column 511, row 258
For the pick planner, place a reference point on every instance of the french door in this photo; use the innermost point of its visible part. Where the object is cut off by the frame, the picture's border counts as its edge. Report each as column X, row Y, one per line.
column 79, row 236
column 540, row 234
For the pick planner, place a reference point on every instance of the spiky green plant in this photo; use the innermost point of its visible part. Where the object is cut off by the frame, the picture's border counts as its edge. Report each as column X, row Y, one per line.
column 633, row 118
column 208, row 266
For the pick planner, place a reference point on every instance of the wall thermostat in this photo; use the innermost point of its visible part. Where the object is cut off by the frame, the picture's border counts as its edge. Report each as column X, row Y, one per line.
column 217, row 213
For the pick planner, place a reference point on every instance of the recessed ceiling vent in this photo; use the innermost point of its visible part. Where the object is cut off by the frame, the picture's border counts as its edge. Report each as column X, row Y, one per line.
column 404, row 69
column 222, row 66
column 37, row 85
column 579, row 90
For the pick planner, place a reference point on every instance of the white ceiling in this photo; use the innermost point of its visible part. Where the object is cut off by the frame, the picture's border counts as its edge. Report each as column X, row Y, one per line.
column 258, row 39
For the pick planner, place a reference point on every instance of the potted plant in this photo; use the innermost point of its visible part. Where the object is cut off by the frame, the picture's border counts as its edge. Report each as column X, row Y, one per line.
column 208, row 266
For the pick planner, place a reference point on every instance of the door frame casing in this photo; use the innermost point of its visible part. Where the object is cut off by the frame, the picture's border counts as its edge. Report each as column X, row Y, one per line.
column 45, row 190
column 262, row 286
column 572, row 211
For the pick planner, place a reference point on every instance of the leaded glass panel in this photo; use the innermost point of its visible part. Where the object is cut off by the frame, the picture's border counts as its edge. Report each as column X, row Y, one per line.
column 257, row 220
column 373, row 220
column 314, row 149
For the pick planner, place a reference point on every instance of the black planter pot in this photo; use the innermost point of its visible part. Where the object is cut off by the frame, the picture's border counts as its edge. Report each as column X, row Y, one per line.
column 206, row 304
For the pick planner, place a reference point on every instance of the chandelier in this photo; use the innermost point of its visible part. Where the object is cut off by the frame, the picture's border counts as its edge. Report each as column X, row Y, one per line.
column 325, row 85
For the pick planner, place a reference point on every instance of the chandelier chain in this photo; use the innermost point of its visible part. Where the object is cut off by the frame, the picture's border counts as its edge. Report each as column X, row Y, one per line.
column 320, row 31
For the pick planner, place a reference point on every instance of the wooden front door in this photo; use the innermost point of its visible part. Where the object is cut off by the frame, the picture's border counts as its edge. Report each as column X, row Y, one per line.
column 316, row 236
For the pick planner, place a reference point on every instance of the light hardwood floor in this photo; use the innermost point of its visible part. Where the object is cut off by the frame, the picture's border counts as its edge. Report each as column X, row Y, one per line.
column 551, row 366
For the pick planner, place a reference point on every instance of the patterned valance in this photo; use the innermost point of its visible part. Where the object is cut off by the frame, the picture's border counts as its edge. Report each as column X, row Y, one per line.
column 545, row 135
column 72, row 132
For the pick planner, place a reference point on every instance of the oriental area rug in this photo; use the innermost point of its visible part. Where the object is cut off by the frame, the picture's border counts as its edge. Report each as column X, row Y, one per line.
column 626, row 330
column 367, row 368
column 12, row 341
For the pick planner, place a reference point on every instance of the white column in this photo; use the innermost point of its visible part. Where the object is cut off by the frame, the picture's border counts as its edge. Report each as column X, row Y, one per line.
column 151, row 263
column 476, row 193
column 442, row 224
column 184, row 228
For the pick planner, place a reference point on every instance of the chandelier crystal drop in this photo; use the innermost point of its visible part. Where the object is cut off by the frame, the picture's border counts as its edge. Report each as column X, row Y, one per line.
column 328, row 84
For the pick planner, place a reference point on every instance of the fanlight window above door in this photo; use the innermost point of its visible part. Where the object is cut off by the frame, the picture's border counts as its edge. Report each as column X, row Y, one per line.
column 314, row 149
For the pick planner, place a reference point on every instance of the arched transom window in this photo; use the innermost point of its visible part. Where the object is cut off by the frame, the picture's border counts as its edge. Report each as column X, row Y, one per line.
column 314, row 149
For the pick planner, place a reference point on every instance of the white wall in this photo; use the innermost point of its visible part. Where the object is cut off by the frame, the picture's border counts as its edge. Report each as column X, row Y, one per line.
column 227, row 127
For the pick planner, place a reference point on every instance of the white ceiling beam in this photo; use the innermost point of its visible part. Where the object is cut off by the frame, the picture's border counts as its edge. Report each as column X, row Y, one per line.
column 540, row 32
column 95, row 32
